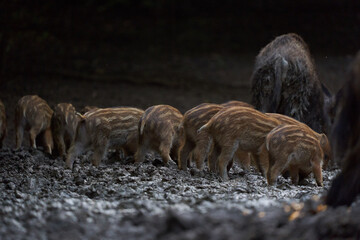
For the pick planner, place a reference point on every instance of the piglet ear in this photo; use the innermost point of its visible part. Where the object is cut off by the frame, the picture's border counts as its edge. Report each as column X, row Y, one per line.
column 80, row 116
column 323, row 140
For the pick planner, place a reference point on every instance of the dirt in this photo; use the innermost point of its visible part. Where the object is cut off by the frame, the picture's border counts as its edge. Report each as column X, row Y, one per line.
column 40, row 199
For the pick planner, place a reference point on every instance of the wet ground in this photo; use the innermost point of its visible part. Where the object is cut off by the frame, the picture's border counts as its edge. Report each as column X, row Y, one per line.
column 40, row 199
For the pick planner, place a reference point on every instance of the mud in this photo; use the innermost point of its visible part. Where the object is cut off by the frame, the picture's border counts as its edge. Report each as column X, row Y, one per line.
column 40, row 199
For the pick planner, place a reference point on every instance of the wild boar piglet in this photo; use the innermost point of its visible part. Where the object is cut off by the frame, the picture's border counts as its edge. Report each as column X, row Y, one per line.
column 104, row 128
column 292, row 148
column 192, row 121
column 199, row 142
column 160, row 130
column 237, row 128
column 32, row 113
column 326, row 147
column 63, row 124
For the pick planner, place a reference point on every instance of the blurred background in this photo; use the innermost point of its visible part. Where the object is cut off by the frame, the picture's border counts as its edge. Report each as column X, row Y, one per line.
column 146, row 52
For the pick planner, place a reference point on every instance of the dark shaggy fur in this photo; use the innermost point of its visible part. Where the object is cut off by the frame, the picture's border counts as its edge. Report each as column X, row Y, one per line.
column 341, row 130
column 285, row 81
column 346, row 142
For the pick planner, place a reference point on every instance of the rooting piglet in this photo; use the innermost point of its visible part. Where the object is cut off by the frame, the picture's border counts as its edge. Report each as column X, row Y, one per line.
column 292, row 148
column 2, row 123
column 243, row 158
column 193, row 120
column 326, row 147
column 160, row 130
column 32, row 113
column 236, row 128
column 63, row 124
column 200, row 142
column 104, row 128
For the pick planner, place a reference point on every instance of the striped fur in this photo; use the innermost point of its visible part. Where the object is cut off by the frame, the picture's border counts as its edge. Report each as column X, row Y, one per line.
column 32, row 113
column 105, row 128
column 237, row 128
column 323, row 140
column 291, row 148
column 63, row 124
column 199, row 142
column 193, row 120
column 160, row 130
column 2, row 123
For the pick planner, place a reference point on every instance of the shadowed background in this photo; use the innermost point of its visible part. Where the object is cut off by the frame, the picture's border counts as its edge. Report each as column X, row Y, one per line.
column 141, row 53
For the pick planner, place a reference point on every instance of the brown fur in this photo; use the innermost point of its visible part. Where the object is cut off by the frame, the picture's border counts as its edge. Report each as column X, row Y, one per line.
column 237, row 128
column 326, row 147
column 160, row 130
column 63, row 124
column 200, row 142
column 292, row 148
column 100, row 129
column 2, row 123
column 234, row 103
column 32, row 113
column 193, row 120
column 285, row 81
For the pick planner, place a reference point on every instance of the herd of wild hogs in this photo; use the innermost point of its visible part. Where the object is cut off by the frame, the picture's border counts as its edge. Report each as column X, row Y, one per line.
column 284, row 131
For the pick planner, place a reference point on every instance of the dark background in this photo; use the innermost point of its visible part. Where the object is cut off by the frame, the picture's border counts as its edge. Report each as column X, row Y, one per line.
column 45, row 36
column 178, row 52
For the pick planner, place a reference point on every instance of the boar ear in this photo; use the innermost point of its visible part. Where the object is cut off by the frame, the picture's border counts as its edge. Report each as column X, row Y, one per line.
column 323, row 140
column 281, row 68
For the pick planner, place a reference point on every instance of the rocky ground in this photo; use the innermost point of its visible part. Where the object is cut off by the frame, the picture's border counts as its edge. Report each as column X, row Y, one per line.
column 40, row 199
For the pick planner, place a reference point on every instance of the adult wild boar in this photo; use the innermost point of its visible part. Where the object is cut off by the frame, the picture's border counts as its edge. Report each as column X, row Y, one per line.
column 346, row 186
column 285, row 81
